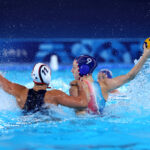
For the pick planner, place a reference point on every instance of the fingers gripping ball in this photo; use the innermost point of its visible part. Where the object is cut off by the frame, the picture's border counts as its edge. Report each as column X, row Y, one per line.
column 147, row 43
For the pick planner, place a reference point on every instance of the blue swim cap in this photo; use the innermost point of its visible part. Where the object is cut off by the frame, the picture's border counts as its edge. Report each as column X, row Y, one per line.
column 86, row 64
column 107, row 72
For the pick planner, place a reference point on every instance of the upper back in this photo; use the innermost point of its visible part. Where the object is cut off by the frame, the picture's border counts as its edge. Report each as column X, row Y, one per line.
column 32, row 97
column 52, row 95
column 35, row 99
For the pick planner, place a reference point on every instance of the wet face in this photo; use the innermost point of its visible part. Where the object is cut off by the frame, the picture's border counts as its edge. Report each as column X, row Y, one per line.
column 75, row 71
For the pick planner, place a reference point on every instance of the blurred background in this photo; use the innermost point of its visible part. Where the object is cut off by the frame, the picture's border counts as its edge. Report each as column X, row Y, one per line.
column 113, row 31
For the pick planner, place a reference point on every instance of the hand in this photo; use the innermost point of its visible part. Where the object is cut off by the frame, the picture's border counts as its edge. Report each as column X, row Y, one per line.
column 101, row 76
column 146, row 51
column 76, row 86
column 73, row 83
column 79, row 84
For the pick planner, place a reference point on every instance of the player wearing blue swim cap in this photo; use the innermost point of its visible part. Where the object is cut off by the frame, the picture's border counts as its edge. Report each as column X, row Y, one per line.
column 83, row 67
column 86, row 64
column 97, row 92
column 107, row 72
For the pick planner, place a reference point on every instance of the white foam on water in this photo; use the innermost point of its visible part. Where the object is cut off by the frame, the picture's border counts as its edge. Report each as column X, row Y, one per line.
column 134, row 99
column 58, row 84
column 7, row 102
column 139, row 88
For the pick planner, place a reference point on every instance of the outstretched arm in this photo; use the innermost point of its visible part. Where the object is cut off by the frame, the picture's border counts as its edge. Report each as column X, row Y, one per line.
column 120, row 80
column 60, row 97
column 11, row 88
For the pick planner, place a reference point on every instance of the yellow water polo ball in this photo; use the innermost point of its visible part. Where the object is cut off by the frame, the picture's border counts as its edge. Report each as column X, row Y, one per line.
column 147, row 43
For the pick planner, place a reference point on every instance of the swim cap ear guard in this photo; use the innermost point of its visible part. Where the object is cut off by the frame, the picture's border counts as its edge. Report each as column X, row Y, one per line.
column 84, row 69
column 41, row 74
column 86, row 64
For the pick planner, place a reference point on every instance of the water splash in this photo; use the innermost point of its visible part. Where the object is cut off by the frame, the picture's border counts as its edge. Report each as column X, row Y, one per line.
column 139, row 89
column 59, row 84
column 134, row 100
column 7, row 102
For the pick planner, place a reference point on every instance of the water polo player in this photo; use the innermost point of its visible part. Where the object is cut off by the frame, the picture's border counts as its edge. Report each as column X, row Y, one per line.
column 97, row 94
column 32, row 100
column 106, row 73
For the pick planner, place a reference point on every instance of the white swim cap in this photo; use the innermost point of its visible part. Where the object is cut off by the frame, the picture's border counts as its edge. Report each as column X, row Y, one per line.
column 41, row 74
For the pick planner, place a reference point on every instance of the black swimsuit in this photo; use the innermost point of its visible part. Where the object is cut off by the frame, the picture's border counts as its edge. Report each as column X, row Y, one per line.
column 35, row 100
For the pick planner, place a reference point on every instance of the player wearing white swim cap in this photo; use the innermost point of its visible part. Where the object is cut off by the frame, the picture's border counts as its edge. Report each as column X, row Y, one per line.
column 32, row 100
column 41, row 74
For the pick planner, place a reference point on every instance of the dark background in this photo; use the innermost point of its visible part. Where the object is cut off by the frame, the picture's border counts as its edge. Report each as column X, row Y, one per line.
column 74, row 18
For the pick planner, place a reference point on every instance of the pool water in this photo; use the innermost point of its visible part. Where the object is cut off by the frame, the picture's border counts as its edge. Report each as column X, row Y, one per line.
column 125, row 124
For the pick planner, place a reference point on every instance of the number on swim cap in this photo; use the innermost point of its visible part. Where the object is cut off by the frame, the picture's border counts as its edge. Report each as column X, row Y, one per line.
column 41, row 74
column 89, row 60
column 44, row 70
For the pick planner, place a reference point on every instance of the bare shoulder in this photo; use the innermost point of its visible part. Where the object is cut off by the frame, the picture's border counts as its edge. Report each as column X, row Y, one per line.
column 15, row 89
column 19, row 87
column 52, row 95
column 20, row 92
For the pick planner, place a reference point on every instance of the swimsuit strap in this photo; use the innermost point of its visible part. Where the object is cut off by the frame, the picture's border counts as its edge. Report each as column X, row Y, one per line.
column 35, row 100
column 92, row 105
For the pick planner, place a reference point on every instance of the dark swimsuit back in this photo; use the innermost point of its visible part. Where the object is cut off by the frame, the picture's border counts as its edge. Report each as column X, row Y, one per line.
column 35, row 100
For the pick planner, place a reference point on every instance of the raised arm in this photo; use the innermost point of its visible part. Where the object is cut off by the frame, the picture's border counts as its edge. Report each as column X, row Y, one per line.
column 120, row 80
column 11, row 88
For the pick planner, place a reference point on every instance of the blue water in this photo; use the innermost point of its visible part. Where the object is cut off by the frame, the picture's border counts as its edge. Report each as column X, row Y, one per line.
column 125, row 125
